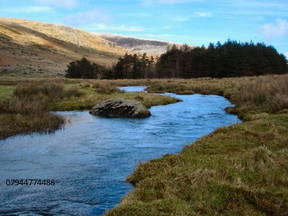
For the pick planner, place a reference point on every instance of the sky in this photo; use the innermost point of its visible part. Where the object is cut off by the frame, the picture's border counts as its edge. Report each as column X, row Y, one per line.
column 194, row 22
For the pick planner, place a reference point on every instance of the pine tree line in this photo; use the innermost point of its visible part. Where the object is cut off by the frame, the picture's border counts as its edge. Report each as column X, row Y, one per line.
column 231, row 59
column 84, row 69
column 134, row 67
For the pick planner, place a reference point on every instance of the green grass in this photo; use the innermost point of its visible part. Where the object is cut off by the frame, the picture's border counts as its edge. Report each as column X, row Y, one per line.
column 237, row 170
column 87, row 102
column 13, row 124
column 6, row 91
column 25, row 109
column 95, row 93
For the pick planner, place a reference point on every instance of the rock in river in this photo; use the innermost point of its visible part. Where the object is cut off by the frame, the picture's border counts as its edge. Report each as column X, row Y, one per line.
column 117, row 108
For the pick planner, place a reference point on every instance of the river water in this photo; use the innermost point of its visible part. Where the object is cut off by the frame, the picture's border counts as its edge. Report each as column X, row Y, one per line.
column 90, row 157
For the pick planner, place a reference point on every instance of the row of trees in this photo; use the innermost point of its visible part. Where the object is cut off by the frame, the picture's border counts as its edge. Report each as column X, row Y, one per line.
column 231, row 59
column 134, row 67
column 84, row 69
column 127, row 67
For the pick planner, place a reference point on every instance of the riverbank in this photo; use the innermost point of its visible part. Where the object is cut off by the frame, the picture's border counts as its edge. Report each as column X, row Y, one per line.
column 236, row 170
column 26, row 104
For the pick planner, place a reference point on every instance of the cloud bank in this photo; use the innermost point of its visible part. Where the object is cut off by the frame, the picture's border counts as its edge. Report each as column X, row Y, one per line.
column 124, row 28
column 58, row 3
column 27, row 10
column 86, row 17
column 278, row 29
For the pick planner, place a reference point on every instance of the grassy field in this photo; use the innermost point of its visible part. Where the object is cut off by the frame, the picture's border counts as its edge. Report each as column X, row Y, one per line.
column 6, row 91
column 236, row 170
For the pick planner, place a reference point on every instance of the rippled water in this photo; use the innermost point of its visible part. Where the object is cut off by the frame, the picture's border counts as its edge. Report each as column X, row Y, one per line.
column 90, row 157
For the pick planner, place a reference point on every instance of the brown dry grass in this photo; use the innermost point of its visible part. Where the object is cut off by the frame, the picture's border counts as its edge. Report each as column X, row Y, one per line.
column 30, row 48
column 269, row 93
column 27, row 110
column 22, row 31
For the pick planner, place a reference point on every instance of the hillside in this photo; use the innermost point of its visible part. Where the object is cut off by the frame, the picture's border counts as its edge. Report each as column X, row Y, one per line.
column 35, row 48
column 137, row 45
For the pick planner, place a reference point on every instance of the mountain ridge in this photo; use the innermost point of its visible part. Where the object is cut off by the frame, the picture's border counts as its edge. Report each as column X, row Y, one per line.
column 138, row 45
column 32, row 47
column 36, row 48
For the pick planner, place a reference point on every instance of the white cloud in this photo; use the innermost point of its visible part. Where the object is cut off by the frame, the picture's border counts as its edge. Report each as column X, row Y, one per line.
column 203, row 14
column 86, row 17
column 167, row 27
column 152, row 2
column 59, row 3
column 181, row 19
column 31, row 9
column 255, row 7
column 258, row 3
column 198, row 14
column 124, row 28
column 286, row 54
column 275, row 30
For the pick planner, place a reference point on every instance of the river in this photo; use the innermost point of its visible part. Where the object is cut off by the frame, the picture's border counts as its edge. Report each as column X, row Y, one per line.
column 90, row 157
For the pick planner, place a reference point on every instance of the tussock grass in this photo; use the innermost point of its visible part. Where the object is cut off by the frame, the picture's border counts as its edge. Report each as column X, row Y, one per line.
column 6, row 91
column 105, row 87
column 12, row 124
column 49, row 90
column 27, row 110
column 238, row 170
column 23, row 105
column 269, row 93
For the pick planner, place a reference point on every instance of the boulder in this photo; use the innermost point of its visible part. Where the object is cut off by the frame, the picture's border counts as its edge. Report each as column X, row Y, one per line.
column 117, row 108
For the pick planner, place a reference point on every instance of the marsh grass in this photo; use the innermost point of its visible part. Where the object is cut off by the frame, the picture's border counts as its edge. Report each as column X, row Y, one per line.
column 12, row 124
column 6, row 91
column 49, row 90
column 237, row 170
column 105, row 88
column 268, row 93
column 27, row 110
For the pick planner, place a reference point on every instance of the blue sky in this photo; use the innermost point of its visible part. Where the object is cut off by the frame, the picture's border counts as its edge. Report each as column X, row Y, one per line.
column 194, row 22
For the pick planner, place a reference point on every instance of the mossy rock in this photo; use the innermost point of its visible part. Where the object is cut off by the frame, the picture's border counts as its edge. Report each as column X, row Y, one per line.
column 118, row 108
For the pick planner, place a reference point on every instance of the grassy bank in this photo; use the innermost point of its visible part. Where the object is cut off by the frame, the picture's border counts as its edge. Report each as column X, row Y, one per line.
column 253, row 96
column 237, row 170
column 26, row 108
column 25, row 104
